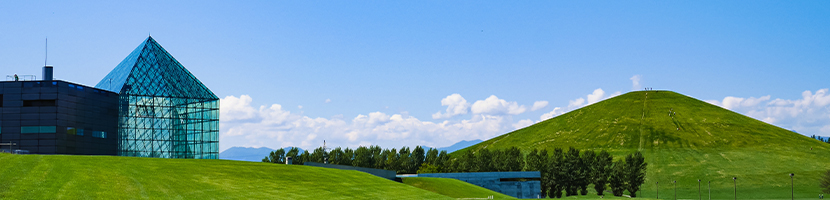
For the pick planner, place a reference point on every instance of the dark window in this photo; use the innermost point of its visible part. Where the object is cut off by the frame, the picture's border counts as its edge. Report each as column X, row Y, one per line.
column 1, row 100
column 38, row 103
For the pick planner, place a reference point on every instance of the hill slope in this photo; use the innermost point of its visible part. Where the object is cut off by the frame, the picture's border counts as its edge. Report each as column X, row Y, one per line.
column 109, row 177
column 699, row 141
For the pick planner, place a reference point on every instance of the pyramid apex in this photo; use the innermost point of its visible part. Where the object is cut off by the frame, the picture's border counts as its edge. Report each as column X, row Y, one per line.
column 150, row 63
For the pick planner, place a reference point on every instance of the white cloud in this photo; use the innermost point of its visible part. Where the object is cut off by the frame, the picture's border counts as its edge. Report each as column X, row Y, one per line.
column 522, row 123
column 555, row 112
column 273, row 127
column 233, row 108
column 596, row 96
column 300, row 106
column 635, row 82
column 495, row 106
column 328, row 100
column 808, row 115
column 576, row 103
column 456, row 105
column 539, row 105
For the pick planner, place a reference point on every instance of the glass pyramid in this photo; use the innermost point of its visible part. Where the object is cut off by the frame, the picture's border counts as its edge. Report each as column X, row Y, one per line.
column 164, row 111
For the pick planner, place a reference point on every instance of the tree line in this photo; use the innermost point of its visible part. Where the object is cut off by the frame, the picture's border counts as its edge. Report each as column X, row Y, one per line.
column 563, row 172
column 819, row 138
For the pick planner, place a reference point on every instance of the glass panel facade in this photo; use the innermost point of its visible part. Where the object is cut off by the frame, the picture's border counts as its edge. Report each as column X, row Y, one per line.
column 38, row 129
column 164, row 111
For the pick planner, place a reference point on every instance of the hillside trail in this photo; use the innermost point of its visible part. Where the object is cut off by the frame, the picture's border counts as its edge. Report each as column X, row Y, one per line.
column 642, row 118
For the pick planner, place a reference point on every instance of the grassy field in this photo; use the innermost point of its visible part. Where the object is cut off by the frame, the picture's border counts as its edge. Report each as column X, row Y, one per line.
column 453, row 188
column 699, row 141
column 111, row 177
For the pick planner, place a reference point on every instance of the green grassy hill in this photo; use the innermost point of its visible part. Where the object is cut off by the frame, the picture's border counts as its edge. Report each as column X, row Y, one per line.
column 111, row 177
column 453, row 188
column 701, row 141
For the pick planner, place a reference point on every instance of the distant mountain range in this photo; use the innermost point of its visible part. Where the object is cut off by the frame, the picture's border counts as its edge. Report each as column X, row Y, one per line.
column 459, row 145
column 257, row 154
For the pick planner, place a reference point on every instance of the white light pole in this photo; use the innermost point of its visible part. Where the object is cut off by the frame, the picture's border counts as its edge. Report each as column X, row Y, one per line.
column 792, row 186
column 675, row 190
column 735, row 179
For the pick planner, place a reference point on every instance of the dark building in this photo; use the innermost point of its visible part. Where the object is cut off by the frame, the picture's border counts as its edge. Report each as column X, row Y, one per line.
column 58, row 117
column 148, row 106
column 523, row 185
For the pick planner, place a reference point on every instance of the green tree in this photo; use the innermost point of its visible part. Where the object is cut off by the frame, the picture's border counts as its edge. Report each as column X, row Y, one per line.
column 556, row 173
column 532, row 161
column 417, row 158
column 483, row 162
column 587, row 160
column 348, row 156
column 432, row 156
column 467, row 162
column 376, row 159
column 392, row 162
column 404, row 160
column 305, row 157
column 542, row 168
column 428, row 168
column 573, row 173
column 442, row 160
column 601, row 170
column 362, row 157
column 617, row 179
column 277, row 156
column 515, row 159
column 336, row 156
column 293, row 153
column 380, row 161
column 635, row 169
column 318, row 155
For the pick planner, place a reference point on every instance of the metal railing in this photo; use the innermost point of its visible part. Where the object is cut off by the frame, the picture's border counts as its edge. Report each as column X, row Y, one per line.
column 22, row 78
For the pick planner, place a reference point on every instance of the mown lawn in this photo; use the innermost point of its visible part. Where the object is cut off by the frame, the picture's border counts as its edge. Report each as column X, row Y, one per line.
column 112, row 177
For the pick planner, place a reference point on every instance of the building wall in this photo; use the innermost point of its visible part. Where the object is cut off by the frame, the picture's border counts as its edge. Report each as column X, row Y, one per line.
column 58, row 117
column 502, row 182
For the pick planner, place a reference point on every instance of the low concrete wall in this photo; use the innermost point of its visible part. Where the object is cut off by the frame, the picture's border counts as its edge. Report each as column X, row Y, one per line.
column 502, row 182
column 387, row 174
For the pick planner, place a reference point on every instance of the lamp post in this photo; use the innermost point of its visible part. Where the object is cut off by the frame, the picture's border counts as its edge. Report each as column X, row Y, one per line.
column 675, row 190
column 735, row 180
column 709, row 186
column 658, row 188
column 792, row 186
column 698, row 190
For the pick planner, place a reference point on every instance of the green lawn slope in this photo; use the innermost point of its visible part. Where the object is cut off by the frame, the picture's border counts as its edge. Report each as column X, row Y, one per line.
column 702, row 141
column 112, row 177
column 453, row 188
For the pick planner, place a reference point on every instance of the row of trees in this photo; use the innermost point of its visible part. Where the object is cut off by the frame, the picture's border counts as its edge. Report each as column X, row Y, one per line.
column 819, row 138
column 569, row 171
column 402, row 161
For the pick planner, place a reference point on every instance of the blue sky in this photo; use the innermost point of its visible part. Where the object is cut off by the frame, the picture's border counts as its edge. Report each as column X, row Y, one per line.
column 368, row 72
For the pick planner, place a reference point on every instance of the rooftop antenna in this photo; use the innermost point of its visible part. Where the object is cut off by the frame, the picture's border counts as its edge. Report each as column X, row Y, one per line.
column 46, row 56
